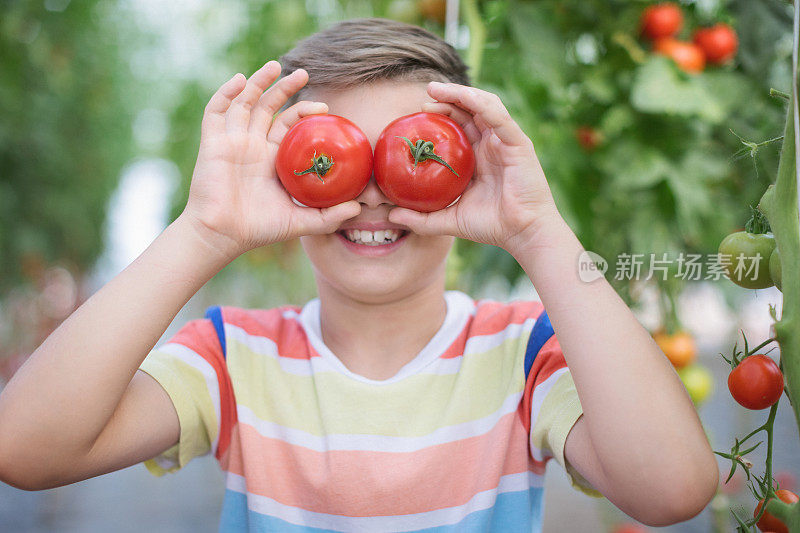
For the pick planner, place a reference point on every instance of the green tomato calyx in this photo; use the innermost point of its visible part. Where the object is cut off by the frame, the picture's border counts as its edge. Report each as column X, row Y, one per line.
column 758, row 223
column 423, row 150
column 320, row 165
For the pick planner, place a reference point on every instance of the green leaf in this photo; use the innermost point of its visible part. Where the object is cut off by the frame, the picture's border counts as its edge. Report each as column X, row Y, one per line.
column 659, row 87
column 543, row 48
column 632, row 165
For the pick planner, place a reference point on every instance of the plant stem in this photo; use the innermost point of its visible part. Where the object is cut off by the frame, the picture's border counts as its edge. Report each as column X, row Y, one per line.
column 757, row 348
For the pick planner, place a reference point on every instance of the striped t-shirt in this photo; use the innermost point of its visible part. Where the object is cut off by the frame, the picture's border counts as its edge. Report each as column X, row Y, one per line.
column 456, row 441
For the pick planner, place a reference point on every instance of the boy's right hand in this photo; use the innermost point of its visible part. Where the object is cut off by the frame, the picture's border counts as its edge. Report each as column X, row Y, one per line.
column 236, row 202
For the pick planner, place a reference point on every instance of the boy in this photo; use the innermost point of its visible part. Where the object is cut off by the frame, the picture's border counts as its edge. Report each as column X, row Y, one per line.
column 386, row 404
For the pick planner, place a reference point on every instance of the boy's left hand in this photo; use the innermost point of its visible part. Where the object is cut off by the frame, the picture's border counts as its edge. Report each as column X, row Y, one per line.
column 508, row 200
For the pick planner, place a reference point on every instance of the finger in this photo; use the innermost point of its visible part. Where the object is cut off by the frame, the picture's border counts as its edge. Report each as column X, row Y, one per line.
column 238, row 116
column 442, row 222
column 460, row 116
column 486, row 107
column 311, row 221
column 271, row 101
column 286, row 120
column 214, row 115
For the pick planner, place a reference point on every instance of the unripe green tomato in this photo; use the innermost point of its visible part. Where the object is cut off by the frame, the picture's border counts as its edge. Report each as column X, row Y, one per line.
column 748, row 246
column 775, row 268
column 698, row 381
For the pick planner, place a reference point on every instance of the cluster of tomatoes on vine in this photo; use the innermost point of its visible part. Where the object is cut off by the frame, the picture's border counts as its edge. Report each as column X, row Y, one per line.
column 660, row 24
column 421, row 161
column 752, row 261
column 716, row 44
column 755, row 381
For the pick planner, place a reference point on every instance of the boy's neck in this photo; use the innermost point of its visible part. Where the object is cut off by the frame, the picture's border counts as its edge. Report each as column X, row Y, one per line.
column 377, row 340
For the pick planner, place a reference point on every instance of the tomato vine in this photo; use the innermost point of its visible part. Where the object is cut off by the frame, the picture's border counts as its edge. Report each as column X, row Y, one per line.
column 779, row 204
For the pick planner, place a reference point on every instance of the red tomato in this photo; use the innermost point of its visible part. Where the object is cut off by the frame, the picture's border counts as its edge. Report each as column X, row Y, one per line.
column 719, row 43
column 661, row 20
column 769, row 522
column 688, row 56
column 588, row 137
column 756, row 383
column 324, row 160
column 444, row 166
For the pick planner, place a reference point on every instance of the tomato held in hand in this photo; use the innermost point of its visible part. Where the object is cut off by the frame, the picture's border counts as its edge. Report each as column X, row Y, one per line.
column 324, row 160
column 661, row 20
column 423, row 161
column 719, row 43
column 679, row 348
column 746, row 258
column 688, row 56
column 769, row 522
column 756, row 382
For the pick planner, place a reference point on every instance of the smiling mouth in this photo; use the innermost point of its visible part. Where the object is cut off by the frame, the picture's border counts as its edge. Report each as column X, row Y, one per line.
column 373, row 238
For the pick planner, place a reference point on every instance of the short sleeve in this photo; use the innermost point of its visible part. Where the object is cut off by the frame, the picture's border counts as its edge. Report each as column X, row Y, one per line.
column 552, row 399
column 190, row 367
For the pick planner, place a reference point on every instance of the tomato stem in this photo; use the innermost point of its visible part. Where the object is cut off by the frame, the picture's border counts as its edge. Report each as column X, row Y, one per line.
column 320, row 165
column 423, row 150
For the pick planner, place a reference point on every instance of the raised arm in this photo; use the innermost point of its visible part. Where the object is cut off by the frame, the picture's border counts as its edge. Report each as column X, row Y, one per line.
column 79, row 407
column 639, row 440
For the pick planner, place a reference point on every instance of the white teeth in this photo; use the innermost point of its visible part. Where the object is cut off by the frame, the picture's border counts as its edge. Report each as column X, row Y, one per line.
column 372, row 238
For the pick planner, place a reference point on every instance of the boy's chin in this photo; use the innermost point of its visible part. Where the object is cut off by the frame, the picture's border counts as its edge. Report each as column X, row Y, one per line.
column 376, row 289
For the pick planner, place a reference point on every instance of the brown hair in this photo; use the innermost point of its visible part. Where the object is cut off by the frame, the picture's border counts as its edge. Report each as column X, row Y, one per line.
column 360, row 51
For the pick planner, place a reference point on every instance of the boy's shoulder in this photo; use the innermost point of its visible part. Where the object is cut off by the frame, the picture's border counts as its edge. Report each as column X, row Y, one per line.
column 488, row 311
column 263, row 322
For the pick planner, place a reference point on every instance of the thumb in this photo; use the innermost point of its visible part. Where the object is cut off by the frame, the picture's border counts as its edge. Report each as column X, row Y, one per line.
column 435, row 223
column 312, row 221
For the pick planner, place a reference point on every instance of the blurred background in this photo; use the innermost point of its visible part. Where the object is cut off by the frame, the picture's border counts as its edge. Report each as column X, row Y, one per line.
column 101, row 105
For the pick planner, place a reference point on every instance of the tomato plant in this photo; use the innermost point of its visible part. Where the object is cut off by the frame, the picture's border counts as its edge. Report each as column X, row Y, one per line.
column 769, row 522
column 324, row 160
column 756, row 383
column 404, row 11
column 661, row 20
column 679, row 347
column 719, row 43
column 746, row 258
column 423, row 161
column 688, row 56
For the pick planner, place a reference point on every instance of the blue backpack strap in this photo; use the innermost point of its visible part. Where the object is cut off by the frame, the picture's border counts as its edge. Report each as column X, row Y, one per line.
column 541, row 333
column 214, row 313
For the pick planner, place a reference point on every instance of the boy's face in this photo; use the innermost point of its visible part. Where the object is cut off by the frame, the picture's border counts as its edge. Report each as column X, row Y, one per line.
column 367, row 272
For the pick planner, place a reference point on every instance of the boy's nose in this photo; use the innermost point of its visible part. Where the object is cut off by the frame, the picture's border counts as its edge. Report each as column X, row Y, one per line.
column 372, row 195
